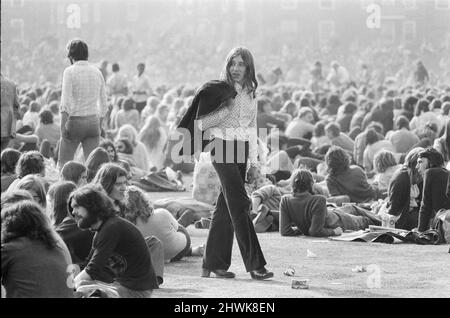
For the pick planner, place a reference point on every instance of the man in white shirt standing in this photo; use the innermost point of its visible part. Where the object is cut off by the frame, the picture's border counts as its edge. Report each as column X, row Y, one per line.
column 140, row 87
column 83, row 104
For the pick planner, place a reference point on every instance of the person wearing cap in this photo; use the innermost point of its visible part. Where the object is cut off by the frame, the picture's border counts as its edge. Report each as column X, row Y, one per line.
column 83, row 104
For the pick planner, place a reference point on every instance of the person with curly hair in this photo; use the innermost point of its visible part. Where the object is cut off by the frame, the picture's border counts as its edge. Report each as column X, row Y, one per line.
column 346, row 179
column 160, row 223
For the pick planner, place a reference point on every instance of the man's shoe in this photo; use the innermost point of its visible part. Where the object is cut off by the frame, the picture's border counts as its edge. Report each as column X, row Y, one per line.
column 220, row 273
column 261, row 274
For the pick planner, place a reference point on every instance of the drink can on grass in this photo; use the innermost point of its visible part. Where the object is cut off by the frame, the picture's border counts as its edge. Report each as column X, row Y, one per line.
column 300, row 283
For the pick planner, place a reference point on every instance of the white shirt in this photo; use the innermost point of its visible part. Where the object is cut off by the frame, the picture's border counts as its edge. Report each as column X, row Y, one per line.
column 140, row 84
column 239, row 123
column 83, row 90
column 116, row 83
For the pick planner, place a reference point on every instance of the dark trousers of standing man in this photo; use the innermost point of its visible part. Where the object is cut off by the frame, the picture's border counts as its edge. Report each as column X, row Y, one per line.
column 232, row 213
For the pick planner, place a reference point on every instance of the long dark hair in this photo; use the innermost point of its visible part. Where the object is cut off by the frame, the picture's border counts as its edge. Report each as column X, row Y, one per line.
column 108, row 143
column 9, row 159
column 94, row 200
column 27, row 219
column 107, row 176
column 250, row 81
column 59, row 193
column 97, row 157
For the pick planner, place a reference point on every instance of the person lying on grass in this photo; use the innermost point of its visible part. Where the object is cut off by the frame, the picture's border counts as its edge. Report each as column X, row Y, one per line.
column 303, row 212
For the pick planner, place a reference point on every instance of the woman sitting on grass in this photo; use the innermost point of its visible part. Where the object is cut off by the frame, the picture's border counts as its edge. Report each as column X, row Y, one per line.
column 159, row 223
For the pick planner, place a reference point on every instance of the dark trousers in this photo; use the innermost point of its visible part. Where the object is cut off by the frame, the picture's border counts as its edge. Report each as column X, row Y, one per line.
column 84, row 130
column 232, row 216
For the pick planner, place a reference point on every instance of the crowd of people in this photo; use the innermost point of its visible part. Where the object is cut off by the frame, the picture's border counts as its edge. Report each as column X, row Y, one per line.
column 337, row 154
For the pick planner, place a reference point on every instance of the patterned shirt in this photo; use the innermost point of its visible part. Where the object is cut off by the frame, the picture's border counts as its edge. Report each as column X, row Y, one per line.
column 83, row 90
column 239, row 123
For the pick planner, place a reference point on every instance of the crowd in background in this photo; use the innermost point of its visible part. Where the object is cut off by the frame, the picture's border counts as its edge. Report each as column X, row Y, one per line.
column 354, row 127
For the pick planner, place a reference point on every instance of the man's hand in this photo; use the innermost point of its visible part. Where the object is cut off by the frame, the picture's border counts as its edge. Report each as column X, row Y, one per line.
column 252, row 174
column 337, row 231
column 64, row 118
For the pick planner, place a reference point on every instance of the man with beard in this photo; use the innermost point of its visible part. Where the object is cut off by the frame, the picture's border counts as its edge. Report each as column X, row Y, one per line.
column 119, row 254
column 114, row 181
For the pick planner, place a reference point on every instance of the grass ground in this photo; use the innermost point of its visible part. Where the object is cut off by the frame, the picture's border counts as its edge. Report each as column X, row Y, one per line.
column 405, row 270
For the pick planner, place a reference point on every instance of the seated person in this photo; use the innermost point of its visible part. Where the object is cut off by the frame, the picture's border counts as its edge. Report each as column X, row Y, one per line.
column 344, row 179
column 94, row 161
column 436, row 187
column 120, row 256
column 125, row 153
column 337, row 138
column 75, row 172
column 9, row 159
column 373, row 147
column 35, row 185
column 265, row 120
column 79, row 242
column 34, row 258
column 302, row 126
column 309, row 214
column 108, row 145
column 114, row 180
column 266, row 204
column 385, row 166
column 404, row 193
column 160, row 223
column 30, row 162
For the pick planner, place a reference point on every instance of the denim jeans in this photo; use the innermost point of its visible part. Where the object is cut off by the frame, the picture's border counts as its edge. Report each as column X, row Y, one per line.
column 231, row 215
column 84, row 130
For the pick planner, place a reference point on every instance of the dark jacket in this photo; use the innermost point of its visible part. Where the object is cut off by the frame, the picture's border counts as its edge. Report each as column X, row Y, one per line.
column 306, row 211
column 399, row 195
column 435, row 196
column 78, row 242
column 208, row 99
column 352, row 182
